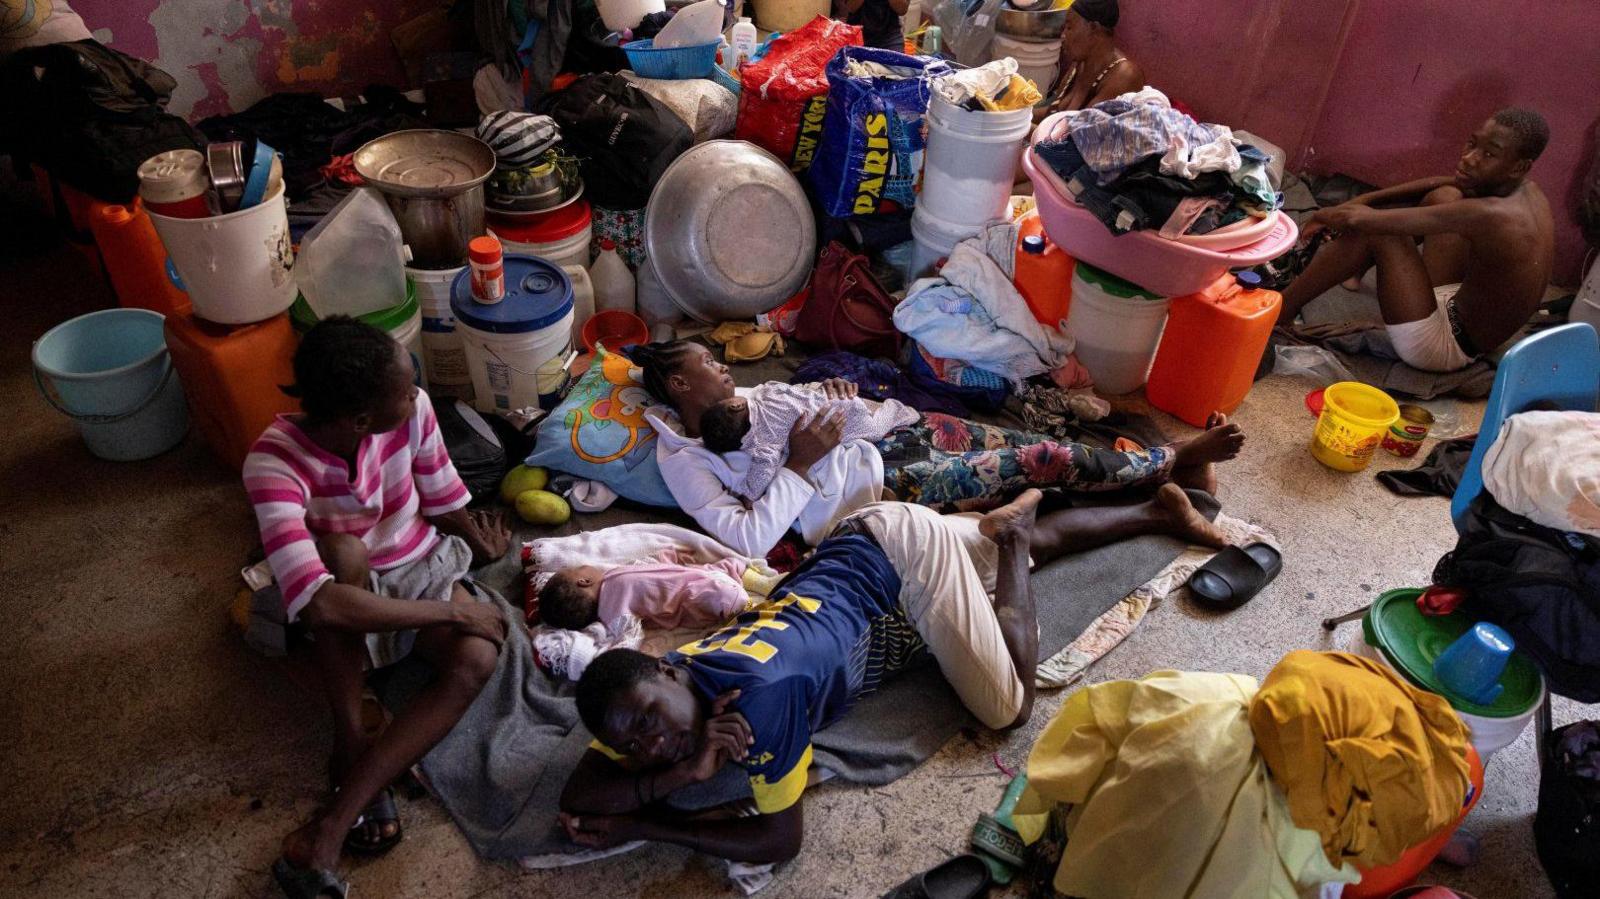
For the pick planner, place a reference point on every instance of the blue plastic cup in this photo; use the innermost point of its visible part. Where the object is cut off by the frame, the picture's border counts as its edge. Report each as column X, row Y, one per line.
column 1471, row 666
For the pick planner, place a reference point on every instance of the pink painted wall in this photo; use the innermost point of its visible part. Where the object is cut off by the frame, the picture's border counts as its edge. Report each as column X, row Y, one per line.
column 227, row 54
column 1384, row 90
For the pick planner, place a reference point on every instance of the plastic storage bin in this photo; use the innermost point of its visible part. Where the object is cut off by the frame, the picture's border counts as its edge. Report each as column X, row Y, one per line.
column 676, row 64
column 1214, row 340
column 231, row 376
column 1166, row 267
column 1118, row 328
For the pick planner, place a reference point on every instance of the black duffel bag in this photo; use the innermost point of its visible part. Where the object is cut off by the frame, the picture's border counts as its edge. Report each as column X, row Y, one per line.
column 1540, row 584
column 88, row 115
column 623, row 137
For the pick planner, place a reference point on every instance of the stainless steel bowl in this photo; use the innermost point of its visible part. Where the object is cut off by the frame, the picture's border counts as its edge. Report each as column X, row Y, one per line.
column 433, row 181
column 1042, row 26
column 729, row 231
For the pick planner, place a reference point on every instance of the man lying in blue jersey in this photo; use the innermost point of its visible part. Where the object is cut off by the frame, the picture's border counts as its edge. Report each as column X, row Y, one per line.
column 892, row 579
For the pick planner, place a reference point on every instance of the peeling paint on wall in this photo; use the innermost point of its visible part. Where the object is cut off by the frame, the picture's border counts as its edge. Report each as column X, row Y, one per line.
column 227, row 54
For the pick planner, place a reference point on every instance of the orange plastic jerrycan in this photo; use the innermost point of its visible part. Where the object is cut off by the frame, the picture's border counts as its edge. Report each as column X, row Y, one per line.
column 1214, row 340
column 231, row 375
column 135, row 259
column 1043, row 272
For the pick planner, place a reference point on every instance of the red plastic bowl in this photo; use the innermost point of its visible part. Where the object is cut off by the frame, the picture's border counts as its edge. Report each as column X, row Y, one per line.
column 614, row 328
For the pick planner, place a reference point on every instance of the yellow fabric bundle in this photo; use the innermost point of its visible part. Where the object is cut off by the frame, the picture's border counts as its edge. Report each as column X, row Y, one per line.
column 1370, row 762
column 1170, row 798
column 1019, row 93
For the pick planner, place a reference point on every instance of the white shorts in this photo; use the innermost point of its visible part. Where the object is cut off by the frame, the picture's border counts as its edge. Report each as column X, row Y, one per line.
column 947, row 572
column 1430, row 344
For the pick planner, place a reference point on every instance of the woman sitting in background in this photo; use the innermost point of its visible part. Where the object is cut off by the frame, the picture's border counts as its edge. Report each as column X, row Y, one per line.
column 1092, row 68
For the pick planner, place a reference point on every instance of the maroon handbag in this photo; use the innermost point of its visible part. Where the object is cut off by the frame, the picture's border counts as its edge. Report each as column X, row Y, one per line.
column 848, row 308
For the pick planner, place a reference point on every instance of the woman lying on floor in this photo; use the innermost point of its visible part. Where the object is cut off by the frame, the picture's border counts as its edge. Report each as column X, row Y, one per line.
column 939, row 461
column 366, row 530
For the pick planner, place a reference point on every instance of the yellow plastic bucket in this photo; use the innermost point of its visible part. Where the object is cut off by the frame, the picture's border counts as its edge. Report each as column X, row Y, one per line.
column 1354, row 419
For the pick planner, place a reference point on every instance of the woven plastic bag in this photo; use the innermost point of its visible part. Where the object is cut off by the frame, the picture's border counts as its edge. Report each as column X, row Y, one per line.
column 783, row 96
column 872, row 134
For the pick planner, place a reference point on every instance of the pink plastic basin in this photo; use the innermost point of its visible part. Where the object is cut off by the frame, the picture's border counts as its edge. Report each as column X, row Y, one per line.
column 1158, row 265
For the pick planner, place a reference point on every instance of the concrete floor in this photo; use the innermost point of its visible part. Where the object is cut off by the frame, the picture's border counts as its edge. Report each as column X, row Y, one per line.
column 149, row 753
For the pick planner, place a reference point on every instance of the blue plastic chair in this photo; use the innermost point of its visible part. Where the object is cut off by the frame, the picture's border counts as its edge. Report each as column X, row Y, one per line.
column 1560, row 366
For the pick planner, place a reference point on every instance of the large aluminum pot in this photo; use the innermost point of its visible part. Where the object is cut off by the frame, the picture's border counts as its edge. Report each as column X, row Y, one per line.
column 433, row 182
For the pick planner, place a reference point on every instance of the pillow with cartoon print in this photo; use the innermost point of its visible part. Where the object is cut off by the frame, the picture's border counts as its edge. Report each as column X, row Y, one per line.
column 599, row 432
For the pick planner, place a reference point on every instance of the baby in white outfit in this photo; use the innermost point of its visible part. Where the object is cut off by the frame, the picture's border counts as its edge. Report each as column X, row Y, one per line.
column 760, row 425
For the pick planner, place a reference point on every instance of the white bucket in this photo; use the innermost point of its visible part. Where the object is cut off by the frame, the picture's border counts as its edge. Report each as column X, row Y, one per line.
column 1036, row 61
column 1488, row 735
column 517, row 349
column 971, row 161
column 570, row 250
column 236, row 267
column 1117, row 336
column 935, row 238
column 409, row 335
column 442, row 351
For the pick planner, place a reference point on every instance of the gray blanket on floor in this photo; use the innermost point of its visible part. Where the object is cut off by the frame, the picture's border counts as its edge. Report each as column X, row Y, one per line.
column 501, row 770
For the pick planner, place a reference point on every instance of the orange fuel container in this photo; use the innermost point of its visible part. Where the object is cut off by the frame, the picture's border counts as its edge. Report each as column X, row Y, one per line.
column 1214, row 339
column 135, row 258
column 1043, row 272
column 231, row 375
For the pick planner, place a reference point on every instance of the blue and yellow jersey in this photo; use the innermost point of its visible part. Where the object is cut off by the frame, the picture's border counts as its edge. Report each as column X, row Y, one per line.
column 826, row 636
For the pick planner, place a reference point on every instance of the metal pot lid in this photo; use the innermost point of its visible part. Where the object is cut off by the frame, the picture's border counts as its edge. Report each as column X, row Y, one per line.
column 729, row 231
column 538, row 294
column 425, row 162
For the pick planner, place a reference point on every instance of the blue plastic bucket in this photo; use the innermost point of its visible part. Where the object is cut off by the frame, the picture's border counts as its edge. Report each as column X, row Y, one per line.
column 110, row 372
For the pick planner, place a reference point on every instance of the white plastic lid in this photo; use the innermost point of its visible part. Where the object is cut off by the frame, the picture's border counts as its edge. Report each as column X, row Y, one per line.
column 743, row 20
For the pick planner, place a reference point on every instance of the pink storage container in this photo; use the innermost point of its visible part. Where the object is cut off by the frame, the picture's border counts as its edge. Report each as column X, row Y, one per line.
column 1158, row 265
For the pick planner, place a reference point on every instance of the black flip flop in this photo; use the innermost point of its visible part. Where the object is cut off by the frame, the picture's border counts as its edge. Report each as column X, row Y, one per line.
column 1234, row 576
column 380, row 810
column 961, row 877
column 308, row 883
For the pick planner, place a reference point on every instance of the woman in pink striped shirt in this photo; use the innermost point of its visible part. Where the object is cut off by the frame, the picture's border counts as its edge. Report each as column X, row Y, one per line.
column 366, row 529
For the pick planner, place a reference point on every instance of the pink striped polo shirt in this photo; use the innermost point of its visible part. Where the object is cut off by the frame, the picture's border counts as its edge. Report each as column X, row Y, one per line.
column 301, row 491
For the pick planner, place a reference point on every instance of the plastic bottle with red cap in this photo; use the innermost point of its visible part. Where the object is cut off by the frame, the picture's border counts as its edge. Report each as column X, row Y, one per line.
column 488, row 269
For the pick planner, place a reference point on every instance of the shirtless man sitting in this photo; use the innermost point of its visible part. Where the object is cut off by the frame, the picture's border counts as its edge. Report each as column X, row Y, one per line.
column 1488, row 245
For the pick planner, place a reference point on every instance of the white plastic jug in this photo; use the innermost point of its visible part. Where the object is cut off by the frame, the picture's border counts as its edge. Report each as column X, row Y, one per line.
column 583, row 297
column 614, row 287
column 353, row 261
column 695, row 24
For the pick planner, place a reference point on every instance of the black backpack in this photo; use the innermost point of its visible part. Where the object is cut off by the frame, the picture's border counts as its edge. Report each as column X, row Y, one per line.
column 482, row 447
column 1540, row 584
column 623, row 137
column 1566, row 829
column 89, row 115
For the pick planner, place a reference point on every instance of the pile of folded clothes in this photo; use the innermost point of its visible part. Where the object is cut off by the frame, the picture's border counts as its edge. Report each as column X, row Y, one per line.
column 1138, row 164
